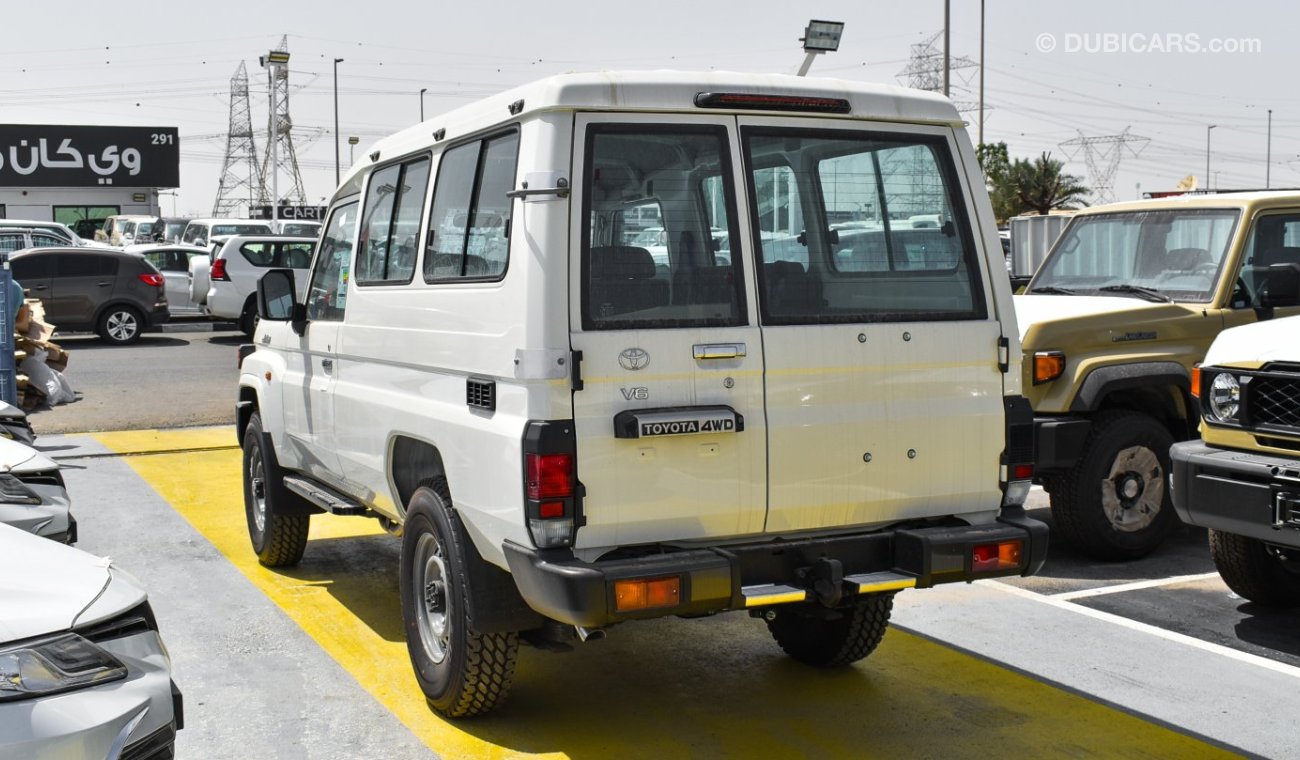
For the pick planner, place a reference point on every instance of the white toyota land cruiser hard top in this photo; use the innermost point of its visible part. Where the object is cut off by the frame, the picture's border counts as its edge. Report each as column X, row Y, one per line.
column 802, row 399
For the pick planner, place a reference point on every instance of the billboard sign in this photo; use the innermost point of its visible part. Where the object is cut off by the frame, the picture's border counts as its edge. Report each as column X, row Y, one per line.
column 42, row 155
column 296, row 213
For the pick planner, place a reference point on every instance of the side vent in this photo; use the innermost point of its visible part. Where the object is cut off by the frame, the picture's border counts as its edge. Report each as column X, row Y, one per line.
column 481, row 393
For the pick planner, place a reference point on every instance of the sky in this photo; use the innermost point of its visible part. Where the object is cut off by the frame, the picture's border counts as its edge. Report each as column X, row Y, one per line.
column 1053, row 71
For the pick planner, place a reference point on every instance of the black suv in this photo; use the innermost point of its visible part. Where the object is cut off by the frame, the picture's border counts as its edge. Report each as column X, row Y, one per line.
column 117, row 294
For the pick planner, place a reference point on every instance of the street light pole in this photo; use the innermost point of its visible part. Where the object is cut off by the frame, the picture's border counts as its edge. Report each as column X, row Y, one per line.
column 352, row 143
column 274, row 61
column 1207, row 154
column 1268, row 151
column 422, row 91
column 337, row 61
column 947, row 17
column 981, row 142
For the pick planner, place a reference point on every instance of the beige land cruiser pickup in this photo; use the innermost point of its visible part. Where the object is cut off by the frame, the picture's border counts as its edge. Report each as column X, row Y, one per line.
column 1112, row 324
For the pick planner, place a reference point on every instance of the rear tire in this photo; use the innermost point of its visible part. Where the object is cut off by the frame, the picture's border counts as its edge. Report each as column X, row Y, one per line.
column 249, row 318
column 120, row 325
column 1114, row 504
column 462, row 672
column 278, row 539
column 807, row 635
column 1248, row 568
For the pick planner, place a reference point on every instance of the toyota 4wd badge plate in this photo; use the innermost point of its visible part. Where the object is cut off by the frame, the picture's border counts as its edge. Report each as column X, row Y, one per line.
column 684, row 420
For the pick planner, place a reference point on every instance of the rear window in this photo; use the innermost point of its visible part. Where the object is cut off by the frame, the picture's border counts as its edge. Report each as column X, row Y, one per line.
column 271, row 255
column 859, row 227
column 656, row 251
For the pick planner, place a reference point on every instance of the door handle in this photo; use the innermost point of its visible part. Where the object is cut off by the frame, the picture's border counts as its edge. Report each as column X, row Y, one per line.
column 327, row 365
column 719, row 350
column 103, row 284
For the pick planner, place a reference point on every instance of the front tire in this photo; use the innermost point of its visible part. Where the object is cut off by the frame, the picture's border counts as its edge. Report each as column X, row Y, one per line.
column 120, row 325
column 462, row 672
column 1249, row 569
column 278, row 539
column 849, row 634
column 1115, row 504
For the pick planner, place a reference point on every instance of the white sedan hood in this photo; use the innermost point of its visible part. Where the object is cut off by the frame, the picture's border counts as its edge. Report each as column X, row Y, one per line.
column 45, row 586
column 1031, row 309
column 19, row 457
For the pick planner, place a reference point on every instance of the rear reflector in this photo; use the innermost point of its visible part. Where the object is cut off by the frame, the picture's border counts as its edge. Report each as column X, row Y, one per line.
column 550, row 510
column 754, row 102
column 1004, row 555
column 1022, row 472
column 644, row 594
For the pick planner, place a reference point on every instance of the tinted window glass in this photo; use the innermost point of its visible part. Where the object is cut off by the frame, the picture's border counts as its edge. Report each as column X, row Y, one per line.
column 84, row 265
column 240, row 229
column 169, row 261
column 469, row 227
column 669, row 274
column 294, row 255
column 858, row 227
column 390, row 228
column 327, row 293
column 32, row 267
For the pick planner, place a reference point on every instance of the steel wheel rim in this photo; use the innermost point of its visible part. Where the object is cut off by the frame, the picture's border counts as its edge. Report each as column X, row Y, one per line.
column 257, row 487
column 432, row 602
column 122, row 325
column 1134, row 491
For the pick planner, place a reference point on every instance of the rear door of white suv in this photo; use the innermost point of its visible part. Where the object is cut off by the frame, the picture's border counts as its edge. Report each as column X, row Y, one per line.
column 880, row 346
column 669, row 421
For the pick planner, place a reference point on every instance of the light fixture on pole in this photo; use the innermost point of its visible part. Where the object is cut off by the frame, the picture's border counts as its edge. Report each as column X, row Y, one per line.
column 274, row 62
column 352, row 143
column 819, row 37
column 337, row 61
column 1207, row 154
column 422, row 91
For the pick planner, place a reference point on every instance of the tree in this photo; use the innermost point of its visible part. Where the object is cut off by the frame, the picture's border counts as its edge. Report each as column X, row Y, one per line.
column 1041, row 185
column 996, row 162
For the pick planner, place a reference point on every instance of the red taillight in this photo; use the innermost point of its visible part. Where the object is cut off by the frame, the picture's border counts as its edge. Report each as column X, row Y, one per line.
column 218, row 271
column 550, row 476
column 1004, row 555
column 151, row 278
column 1022, row 472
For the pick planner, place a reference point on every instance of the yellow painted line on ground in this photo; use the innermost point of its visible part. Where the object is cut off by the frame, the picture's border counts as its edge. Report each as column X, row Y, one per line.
column 715, row 687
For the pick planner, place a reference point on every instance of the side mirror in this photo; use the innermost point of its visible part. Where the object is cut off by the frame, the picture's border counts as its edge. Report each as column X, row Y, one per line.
column 1281, row 288
column 277, row 301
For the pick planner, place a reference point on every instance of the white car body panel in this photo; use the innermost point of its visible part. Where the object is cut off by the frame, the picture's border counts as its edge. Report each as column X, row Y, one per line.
column 1032, row 309
column 48, row 601
column 1263, row 342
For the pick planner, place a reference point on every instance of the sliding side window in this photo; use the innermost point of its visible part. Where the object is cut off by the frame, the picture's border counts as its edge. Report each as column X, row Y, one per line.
column 390, row 227
column 469, row 227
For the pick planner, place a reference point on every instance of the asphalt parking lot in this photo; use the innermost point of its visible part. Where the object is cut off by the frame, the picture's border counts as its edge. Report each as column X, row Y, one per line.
column 1155, row 659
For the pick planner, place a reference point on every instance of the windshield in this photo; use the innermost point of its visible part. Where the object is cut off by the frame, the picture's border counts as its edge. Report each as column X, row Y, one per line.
column 1176, row 253
column 240, row 229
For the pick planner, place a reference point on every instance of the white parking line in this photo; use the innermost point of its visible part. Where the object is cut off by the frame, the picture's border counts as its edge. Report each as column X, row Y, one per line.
column 1205, row 646
column 1134, row 586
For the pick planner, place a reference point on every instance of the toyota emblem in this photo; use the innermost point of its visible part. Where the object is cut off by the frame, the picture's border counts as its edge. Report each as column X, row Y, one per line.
column 633, row 359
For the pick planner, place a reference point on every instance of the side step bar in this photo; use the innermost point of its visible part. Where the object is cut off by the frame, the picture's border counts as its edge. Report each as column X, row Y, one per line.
column 862, row 583
column 331, row 502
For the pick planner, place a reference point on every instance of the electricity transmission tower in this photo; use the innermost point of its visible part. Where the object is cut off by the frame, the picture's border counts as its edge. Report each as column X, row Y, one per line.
column 241, row 175
column 1102, row 154
column 280, row 125
column 924, row 71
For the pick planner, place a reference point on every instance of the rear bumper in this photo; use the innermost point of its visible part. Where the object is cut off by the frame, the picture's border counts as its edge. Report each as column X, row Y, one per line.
column 156, row 318
column 1239, row 492
column 715, row 579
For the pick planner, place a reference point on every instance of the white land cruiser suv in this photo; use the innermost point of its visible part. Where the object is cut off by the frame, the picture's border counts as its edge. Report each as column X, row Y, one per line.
column 781, row 414
column 240, row 262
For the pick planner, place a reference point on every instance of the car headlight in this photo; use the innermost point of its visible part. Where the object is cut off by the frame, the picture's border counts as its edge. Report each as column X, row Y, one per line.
column 1225, row 397
column 12, row 491
column 56, row 664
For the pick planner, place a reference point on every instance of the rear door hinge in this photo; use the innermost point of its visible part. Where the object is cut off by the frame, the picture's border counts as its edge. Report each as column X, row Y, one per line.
column 1004, row 354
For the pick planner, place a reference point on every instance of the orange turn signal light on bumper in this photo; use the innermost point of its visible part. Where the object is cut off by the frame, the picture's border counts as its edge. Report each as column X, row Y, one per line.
column 1196, row 382
column 1048, row 365
column 1004, row 555
column 647, row 593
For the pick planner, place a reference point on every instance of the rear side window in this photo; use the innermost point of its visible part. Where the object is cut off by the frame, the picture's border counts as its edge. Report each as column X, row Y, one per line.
column 84, row 265
column 258, row 254
column 656, row 252
column 169, row 261
column 859, row 227
column 32, row 267
column 469, row 226
column 40, row 240
column 294, row 255
column 390, row 225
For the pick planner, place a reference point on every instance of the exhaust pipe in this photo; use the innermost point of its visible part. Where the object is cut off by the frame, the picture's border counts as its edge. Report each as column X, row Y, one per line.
column 589, row 634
